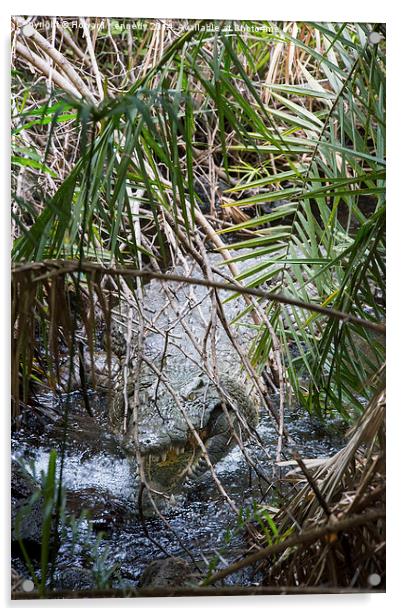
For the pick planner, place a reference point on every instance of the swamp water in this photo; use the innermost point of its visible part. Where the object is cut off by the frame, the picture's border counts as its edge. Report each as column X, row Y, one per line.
column 115, row 548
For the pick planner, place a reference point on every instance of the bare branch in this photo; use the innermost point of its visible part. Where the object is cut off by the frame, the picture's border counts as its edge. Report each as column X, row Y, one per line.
column 303, row 538
column 58, row 266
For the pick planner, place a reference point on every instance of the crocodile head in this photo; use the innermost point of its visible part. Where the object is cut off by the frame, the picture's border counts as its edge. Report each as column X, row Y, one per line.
column 171, row 428
column 179, row 417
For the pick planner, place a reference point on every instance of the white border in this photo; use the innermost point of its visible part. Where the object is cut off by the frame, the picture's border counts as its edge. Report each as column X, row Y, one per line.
column 340, row 10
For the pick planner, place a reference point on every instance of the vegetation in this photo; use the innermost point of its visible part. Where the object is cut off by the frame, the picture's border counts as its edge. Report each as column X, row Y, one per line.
column 266, row 140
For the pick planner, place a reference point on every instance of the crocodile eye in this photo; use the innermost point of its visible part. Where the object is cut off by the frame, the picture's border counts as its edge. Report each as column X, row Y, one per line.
column 192, row 390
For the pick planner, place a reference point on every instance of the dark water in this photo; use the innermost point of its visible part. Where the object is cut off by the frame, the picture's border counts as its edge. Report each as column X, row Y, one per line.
column 197, row 527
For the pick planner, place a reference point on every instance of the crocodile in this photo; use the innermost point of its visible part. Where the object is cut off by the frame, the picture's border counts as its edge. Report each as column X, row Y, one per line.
column 191, row 400
column 181, row 397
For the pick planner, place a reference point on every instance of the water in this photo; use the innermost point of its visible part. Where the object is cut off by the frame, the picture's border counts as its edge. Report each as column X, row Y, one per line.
column 199, row 525
column 101, row 471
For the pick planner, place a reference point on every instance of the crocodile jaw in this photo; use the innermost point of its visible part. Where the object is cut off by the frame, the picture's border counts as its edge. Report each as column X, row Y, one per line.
column 172, row 454
column 170, row 468
column 169, row 448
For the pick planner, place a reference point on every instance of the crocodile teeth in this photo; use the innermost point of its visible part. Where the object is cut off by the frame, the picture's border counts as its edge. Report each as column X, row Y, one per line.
column 194, row 468
column 164, row 456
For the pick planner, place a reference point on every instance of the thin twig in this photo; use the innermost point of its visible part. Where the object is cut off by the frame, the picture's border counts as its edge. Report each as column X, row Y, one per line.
column 312, row 484
column 46, row 69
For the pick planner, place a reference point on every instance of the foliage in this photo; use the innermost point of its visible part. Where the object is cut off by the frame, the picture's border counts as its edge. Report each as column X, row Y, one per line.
column 46, row 494
column 54, row 513
column 301, row 150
